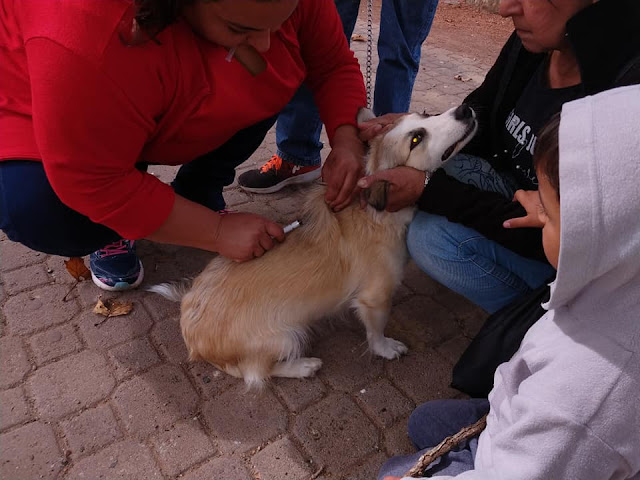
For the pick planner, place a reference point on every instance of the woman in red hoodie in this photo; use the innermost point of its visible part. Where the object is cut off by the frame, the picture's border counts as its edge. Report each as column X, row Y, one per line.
column 92, row 91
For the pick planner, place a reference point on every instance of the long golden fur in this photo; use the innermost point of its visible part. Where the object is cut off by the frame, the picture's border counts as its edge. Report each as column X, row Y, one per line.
column 237, row 317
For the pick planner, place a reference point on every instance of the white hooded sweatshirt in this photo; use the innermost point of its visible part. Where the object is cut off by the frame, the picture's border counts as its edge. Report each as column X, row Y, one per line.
column 567, row 405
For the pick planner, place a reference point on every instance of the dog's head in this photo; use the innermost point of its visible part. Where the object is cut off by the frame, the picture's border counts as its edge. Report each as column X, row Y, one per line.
column 420, row 141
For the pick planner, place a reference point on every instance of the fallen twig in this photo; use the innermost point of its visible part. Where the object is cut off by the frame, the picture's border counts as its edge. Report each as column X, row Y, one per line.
column 445, row 446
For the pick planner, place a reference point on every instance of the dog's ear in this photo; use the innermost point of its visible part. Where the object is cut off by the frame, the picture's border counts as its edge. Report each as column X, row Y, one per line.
column 376, row 194
column 364, row 115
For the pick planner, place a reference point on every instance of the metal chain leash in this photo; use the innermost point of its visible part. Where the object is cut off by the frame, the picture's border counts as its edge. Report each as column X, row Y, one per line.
column 369, row 48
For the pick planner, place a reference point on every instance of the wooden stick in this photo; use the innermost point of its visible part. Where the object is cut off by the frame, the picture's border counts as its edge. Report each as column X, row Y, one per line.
column 445, row 446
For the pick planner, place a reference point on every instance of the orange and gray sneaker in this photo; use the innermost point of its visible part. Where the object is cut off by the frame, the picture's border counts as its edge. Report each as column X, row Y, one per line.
column 276, row 174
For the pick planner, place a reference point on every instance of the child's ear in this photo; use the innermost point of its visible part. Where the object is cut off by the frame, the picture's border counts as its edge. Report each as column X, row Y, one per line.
column 376, row 195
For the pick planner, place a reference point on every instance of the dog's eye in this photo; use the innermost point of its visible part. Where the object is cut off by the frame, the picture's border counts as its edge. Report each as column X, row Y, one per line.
column 416, row 139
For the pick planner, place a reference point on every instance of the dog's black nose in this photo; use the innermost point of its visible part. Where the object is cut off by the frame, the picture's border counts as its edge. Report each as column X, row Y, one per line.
column 463, row 112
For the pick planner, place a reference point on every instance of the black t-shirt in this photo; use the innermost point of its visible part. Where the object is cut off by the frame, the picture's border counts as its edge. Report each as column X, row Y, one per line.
column 537, row 104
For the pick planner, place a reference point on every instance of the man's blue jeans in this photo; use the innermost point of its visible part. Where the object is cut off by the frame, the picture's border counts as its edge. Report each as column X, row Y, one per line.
column 404, row 26
column 480, row 269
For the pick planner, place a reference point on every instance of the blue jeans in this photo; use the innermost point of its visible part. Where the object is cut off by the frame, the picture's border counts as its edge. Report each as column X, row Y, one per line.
column 480, row 269
column 431, row 423
column 32, row 214
column 404, row 26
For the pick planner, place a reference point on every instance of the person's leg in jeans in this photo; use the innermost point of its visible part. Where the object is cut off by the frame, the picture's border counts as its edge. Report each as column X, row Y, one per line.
column 33, row 215
column 468, row 263
column 429, row 425
column 297, row 158
column 404, row 26
column 203, row 179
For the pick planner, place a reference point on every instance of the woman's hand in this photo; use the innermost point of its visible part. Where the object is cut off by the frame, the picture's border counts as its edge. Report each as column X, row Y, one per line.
column 244, row 236
column 405, row 186
column 238, row 236
column 376, row 126
column 343, row 167
column 530, row 200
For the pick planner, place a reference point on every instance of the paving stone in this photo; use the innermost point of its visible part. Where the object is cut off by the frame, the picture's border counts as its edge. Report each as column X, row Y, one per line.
column 90, row 430
column 347, row 365
column 70, row 384
column 281, row 461
column 160, row 308
column 219, row 469
column 335, row 433
column 422, row 376
column 54, row 343
column 384, row 403
column 103, row 333
column 420, row 282
column 210, row 381
column 25, row 278
column 452, row 349
column 420, row 322
column 57, row 270
column 133, row 357
column 298, row 393
column 396, row 439
column 240, row 421
column 154, row 400
column 236, row 197
column 13, row 408
column 181, row 446
column 15, row 255
column 13, row 361
column 38, row 309
column 369, row 469
column 127, row 459
column 167, row 337
column 29, row 452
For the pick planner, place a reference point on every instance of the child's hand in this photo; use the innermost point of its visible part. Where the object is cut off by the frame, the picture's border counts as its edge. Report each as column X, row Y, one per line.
column 530, row 200
column 377, row 126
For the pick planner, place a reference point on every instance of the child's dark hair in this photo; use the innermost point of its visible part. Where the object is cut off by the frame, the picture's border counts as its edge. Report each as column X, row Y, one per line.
column 547, row 153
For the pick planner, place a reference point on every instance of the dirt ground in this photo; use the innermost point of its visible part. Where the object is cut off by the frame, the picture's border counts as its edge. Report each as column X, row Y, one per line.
column 458, row 26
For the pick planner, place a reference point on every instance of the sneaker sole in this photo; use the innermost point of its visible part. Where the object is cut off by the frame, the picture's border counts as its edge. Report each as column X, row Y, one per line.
column 120, row 286
column 302, row 178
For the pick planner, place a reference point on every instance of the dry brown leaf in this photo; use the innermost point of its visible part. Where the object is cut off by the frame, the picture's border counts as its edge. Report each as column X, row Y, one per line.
column 358, row 38
column 112, row 308
column 77, row 269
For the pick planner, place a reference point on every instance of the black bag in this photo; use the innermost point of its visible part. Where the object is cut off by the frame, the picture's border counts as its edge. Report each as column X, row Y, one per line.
column 496, row 342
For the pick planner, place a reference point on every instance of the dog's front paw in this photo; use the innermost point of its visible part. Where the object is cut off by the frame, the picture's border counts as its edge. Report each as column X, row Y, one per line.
column 308, row 366
column 389, row 348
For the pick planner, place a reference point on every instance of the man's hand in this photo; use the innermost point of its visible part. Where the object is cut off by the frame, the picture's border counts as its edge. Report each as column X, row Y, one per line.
column 244, row 236
column 343, row 167
column 530, row 200
column 405, row 186
column 377, row 126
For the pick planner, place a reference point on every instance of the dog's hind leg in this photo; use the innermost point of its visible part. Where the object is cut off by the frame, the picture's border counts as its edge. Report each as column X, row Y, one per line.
column 374, row 313
column 297, row 368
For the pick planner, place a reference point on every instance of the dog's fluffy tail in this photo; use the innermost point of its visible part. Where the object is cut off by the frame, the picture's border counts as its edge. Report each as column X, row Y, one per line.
column 172, row 291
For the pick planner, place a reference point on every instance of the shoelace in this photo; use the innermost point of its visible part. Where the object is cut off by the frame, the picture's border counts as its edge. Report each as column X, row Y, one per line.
column 116, row 248
column 274, row 163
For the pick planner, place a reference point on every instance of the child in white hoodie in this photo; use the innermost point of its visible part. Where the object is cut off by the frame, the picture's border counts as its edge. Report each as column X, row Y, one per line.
column 567, row 405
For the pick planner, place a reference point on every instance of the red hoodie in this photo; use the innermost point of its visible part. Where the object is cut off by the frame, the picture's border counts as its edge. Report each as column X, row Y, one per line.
column 74, row 96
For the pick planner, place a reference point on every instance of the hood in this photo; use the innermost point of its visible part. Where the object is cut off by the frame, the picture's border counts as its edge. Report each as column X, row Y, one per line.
column 599, row 262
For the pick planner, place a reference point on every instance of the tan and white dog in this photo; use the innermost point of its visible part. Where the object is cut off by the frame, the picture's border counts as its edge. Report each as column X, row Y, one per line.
column 232, row 316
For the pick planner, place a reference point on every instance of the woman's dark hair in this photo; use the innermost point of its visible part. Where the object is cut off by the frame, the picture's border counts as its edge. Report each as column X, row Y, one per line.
column 546, row 156
column 153, row 16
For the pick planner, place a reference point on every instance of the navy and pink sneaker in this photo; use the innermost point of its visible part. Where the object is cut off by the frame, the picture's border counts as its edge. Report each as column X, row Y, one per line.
column 116, row 267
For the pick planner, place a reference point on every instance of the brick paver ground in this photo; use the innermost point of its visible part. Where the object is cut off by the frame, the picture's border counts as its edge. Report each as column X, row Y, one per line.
column 79, row 399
